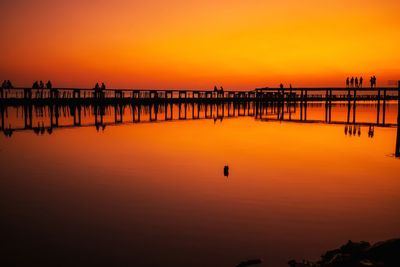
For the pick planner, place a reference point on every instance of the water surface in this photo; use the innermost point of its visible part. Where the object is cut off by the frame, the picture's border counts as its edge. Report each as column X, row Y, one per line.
column 154, row 193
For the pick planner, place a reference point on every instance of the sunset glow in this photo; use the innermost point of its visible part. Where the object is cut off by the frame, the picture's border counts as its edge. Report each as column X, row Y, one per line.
column 196, row 44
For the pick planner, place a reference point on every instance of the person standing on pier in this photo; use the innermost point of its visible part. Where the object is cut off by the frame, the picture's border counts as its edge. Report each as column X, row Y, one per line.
column 281, row 86
column 361, row 81
column 374, row 81
column 41, row 85
column 356, row 82
column 347, row 82
column 49, row 85
column 103, row 86
column 352, row 82
column 35, row 85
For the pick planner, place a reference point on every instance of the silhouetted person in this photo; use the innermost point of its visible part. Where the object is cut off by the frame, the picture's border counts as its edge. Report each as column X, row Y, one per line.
column 281, row 86
column 9, row 85
column 361, row 81
column 49, row 85
column 215, row 89
column 222, row 90
column 4, row 85
column 356, row 82
column 374, row 81
column 97, row 86
column 347, row 82
column 352, row 82
column 371, row 81
column 35, row 85
column 103, row 86
column 41, row 85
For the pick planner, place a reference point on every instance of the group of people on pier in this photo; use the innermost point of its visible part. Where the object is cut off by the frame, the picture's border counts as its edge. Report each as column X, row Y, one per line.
column 97, row 87
column 358, row 82
column 221, row 91
column 354, row 82
column 40, row 85
column 7, row 85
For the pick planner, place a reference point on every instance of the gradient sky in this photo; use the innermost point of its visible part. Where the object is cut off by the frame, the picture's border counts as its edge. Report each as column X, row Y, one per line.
column 196, row 44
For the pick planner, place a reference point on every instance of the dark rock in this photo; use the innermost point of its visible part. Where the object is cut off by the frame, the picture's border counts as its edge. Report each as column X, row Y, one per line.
column 358, row 254
column 249, row 262
column 387, row 252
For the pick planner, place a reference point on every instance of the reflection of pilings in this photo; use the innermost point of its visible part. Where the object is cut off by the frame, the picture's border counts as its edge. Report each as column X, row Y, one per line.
column 378, row 106
column 185, row 110
column 384, row 107
column 170, row 111
column 2, row 116
column 301, row 110
column 98, row 110
column 348, row 112
column 77, row 117
column 136, row 109
column 397, row 153
column 28, row 116
column 118, row 113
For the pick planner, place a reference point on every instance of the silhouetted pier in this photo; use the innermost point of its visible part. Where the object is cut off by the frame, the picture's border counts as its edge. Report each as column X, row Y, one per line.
column 124, row 96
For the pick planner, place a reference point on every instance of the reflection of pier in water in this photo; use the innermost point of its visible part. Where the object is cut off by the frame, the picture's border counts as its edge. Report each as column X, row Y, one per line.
column 42, row 118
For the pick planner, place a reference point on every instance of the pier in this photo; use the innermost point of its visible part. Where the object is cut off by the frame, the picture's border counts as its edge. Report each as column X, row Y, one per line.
column 287, row 95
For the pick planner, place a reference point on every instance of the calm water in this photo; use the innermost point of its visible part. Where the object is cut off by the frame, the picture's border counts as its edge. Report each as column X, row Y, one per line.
column 154, row 194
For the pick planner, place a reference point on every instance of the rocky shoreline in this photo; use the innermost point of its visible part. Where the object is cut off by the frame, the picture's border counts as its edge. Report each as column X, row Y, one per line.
column 358, row 254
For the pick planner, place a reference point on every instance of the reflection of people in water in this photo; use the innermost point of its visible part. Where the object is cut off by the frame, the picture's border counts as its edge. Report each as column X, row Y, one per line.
column 359, row 130
column 371, row 131
column 350, row 130
column 345, row 129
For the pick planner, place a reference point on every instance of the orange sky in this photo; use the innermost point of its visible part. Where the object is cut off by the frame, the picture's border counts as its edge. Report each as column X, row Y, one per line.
column 196, row 44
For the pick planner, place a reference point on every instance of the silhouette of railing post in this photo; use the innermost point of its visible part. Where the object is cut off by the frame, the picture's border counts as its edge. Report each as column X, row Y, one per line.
column 397, row 153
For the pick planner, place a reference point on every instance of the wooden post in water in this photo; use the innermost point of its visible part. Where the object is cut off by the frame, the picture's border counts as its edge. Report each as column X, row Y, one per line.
column 2, row 116
column 384, row 107
column 330, row 105
column 397, row 153
column 28, row 116
column 326, row 105
column 378, row 106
